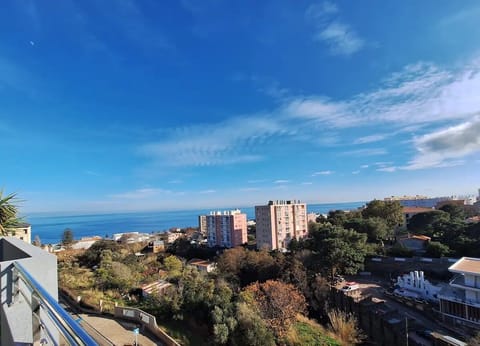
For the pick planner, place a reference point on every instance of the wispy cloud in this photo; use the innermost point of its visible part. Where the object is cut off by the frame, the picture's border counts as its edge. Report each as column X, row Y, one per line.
column 418, row 95
column 355, row 172
column 281, row 181
column 445, row 148
column 208, row 191
column 307, row 183
column 140, row 193
column 233, row 141
column 370, row 139
column 366, row 152
column 322, row 173
column 339, row 36
column 364, row 166
column 387, row 169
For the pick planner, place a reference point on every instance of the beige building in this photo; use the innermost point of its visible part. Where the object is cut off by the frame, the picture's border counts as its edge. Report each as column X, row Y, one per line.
column 279, row 222
column 202, row 224
column 22, row 232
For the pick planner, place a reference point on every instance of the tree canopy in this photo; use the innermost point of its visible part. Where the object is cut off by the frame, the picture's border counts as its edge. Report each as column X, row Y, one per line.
column 67, row 237
column 390, row 211
column 424, row 222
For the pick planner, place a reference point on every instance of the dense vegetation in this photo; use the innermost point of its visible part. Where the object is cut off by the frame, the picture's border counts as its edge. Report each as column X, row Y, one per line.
column 259, row 297
column 451, row 234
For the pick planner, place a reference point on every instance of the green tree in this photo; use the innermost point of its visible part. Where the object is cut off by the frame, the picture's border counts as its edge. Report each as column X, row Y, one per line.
column 376, row 228
column 251, row 329
column 173, row 265
column 337, row 217
column 424, row 222
column 67, row 237
column 390, row 211
column 456, row 212
column 340, row 250
column 8, row 212
column 437, row 249
column 37, row 241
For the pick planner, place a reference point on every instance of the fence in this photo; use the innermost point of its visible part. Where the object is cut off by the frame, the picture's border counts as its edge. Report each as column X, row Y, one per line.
column 146, row 320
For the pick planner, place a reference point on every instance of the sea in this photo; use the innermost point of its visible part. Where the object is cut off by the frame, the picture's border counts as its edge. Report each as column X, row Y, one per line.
column 50, row 226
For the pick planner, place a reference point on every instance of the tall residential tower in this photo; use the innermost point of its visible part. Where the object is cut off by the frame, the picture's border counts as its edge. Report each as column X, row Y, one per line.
column 279, row 222
column 226, row 229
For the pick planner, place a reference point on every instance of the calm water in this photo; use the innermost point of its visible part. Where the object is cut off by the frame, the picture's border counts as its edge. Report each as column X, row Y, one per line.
column 50, row 227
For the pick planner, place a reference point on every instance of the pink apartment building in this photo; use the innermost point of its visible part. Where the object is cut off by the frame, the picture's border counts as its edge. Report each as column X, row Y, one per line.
column 226, row 229
column 279, row 222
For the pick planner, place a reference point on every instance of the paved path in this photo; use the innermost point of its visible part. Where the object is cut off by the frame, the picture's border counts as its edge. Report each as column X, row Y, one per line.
column 118, row 332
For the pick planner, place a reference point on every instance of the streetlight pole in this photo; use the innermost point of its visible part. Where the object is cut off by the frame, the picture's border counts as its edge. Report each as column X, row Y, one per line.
column 406, row 328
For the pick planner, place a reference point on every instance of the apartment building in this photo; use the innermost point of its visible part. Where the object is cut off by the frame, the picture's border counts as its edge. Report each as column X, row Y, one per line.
column 417, row 201
column 226, row 229
column 202, row 224
column 279, row 222
column 460, row 300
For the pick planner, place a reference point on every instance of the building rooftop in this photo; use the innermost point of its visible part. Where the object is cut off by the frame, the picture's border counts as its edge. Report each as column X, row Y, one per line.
column 467, row 265
column 409, row 210
column 199, row 262
column 421, row 237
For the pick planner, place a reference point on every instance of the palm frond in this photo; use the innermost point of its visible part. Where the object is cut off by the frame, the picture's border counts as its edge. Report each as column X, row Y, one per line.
column 8, row 212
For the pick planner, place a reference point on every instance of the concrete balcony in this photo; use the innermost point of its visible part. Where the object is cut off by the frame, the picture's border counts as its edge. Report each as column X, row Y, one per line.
column 29, row 311
column 459, row 282
column 459, row 298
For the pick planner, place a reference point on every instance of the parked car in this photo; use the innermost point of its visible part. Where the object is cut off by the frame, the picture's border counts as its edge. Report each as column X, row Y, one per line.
column 350, row 286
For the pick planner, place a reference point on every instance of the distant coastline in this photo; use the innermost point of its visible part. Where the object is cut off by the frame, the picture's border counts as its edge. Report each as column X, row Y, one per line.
column 49, row 226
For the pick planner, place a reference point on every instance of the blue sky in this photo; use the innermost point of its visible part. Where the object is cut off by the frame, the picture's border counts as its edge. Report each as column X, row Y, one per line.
column 144, row 105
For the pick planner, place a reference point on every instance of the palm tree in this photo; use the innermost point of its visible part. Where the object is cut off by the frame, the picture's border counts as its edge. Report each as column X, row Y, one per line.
column 8, row 212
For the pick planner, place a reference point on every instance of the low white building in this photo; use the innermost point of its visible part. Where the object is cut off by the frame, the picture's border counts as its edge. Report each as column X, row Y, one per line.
column 460, row 301
column 415, row 285
column 202, row 265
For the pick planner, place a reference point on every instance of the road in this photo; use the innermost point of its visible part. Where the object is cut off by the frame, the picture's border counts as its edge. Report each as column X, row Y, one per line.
column 108, row 331
column 375, row 287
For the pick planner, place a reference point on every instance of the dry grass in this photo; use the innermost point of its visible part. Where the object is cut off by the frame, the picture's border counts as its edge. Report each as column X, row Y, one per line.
column 345, row 327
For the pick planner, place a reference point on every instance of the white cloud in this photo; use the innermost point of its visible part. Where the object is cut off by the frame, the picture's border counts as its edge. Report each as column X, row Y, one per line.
column 446, row 147
column 339, row 36
column 370, row 139
column 366, row 152
column 281, row 181
column 418, row 96
column 364, row 166
column 387, row 169
column 322, row 173
column 307, row 183
column 355, row 172
column 233, row 141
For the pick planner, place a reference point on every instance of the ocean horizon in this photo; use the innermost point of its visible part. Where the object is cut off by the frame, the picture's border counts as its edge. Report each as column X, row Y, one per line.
column 50, row 226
